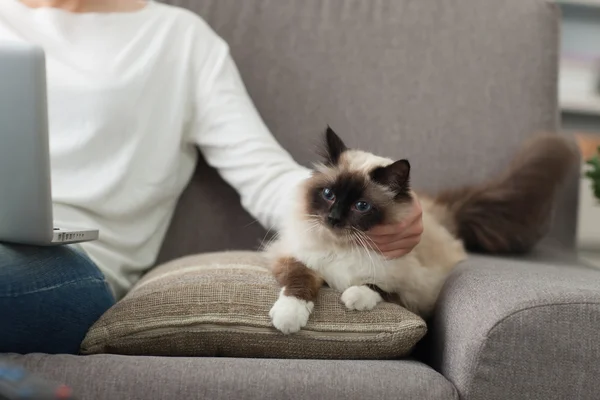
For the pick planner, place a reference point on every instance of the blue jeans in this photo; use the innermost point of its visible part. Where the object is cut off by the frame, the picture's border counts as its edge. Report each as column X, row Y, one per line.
column 49, row 298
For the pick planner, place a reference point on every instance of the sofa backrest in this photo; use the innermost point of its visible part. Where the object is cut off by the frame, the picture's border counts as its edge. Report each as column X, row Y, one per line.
column 454, row 86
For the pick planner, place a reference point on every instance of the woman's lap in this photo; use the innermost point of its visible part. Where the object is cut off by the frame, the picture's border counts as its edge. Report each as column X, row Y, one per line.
column 49, row 298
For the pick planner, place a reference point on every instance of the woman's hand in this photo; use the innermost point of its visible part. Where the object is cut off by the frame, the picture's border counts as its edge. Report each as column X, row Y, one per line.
column 399, row 239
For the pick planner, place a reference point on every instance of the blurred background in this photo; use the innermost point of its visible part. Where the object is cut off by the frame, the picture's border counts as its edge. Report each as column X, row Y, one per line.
column 579, row 96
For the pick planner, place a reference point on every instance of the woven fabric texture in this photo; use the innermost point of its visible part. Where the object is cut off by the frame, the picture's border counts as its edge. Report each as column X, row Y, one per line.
column 218, row 304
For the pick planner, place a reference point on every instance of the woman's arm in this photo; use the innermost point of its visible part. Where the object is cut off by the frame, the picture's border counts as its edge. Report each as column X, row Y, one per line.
column 233, row 139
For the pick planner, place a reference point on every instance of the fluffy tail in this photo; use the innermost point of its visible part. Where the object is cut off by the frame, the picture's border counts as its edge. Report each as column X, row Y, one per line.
column 511, row 213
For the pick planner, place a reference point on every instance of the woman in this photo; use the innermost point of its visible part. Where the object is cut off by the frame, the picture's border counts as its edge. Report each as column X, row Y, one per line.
column 133, row 87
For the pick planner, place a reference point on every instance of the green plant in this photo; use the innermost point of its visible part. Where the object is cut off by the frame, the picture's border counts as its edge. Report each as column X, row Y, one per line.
column 594, row 173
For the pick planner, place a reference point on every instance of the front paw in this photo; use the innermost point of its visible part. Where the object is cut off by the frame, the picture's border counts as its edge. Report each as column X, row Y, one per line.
column 360, row 298
column 289, row 314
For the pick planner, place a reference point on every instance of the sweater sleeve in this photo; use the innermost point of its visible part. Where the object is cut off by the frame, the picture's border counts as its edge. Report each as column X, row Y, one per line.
column 234, row 139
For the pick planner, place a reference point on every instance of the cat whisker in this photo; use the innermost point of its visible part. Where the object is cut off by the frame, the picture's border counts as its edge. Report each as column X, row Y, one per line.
column 311, row 227
column 312, row 217
column 251, row 223
column 364, row 240
column 262, row 242
column 362, row 245
column 273, row 239
column 269, row 242
column 372, row 244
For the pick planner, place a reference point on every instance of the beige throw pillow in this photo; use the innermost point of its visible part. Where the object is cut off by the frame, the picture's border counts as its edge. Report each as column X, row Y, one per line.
column 218, row 305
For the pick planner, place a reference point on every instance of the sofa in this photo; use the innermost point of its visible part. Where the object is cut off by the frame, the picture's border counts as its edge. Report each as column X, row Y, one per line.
column 455, row 86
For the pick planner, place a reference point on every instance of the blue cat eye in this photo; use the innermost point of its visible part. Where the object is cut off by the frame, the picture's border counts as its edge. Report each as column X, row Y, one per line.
column 362, row 206
column 328, row 194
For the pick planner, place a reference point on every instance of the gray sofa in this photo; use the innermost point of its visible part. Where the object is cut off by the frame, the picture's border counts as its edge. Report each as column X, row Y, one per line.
column 455, row 86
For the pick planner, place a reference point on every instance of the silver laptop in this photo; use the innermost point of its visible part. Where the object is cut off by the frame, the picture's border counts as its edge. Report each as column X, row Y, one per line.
column 25, row 188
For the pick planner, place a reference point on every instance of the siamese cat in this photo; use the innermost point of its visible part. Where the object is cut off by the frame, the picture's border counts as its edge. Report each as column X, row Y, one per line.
column 324, row 239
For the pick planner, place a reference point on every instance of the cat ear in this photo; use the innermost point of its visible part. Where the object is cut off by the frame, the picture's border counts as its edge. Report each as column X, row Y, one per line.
column 395, row 176
column 334, row 146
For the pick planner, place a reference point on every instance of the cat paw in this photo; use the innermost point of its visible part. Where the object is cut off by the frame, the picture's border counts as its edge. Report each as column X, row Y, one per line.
column 289, row 314
column 360, row 298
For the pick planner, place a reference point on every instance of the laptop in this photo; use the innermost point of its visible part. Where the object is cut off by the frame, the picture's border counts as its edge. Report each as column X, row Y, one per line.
column 25, row 187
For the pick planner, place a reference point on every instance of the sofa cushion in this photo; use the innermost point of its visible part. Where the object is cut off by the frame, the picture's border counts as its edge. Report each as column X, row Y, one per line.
column 110, row 377
column 218, row 305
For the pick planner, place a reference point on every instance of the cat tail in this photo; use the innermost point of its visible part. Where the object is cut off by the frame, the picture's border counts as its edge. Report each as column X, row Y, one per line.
column 511, row 213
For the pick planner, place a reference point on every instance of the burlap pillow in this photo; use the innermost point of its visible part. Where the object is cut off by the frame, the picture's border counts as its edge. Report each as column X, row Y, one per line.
column 218, row 305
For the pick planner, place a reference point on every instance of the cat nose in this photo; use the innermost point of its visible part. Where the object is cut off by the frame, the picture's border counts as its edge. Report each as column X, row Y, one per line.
column 333, row 220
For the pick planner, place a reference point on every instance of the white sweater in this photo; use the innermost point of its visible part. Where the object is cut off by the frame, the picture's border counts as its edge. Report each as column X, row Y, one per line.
column 130, row 96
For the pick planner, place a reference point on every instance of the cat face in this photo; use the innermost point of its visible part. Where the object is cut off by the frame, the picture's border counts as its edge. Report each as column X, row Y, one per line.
column 354, row 190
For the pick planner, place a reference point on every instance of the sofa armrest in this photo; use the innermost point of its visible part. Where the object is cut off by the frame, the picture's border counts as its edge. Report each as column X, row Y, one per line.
column 519, row 329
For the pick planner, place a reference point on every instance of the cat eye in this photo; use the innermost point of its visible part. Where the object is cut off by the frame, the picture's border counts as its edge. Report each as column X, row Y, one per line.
column 362, row 206
column 328, row 194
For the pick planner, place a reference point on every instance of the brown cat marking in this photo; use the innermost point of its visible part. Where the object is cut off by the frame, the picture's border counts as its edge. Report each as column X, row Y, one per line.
column 297, row 279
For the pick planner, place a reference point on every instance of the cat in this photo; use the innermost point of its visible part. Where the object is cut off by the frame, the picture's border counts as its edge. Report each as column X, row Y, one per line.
column 323, row 240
